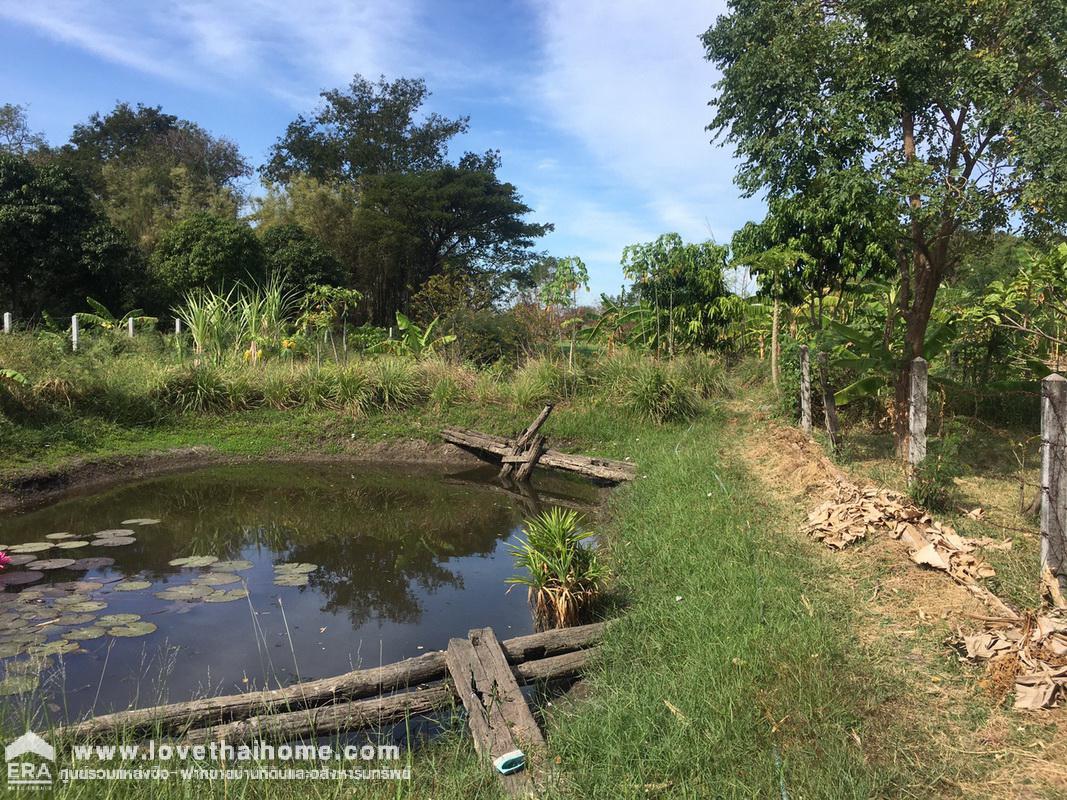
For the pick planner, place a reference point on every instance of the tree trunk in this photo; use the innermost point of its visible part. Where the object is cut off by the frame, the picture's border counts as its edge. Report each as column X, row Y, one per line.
column 775, row 347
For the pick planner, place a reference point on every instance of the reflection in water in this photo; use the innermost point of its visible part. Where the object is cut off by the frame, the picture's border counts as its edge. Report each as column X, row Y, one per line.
column 404, row 560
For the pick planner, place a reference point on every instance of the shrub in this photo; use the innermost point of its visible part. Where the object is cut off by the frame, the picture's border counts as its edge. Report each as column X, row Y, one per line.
column 562, row 576
column 193, row 390
column 932, row 484
column 396, row 382
column 651, row 393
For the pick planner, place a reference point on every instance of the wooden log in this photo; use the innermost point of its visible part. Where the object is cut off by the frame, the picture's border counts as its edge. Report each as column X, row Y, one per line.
column 499, row 719
column 325, row 720
column 1054, row 487
column 805, row 391
column 533, row 453
column 525, row 439
column 917, row 416
column 497, row 446
column 833, row 429
column 351, row 685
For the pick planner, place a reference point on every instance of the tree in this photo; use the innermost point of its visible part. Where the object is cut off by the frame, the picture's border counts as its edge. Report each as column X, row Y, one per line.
column 15, row 134
column 462, row 218
column 955, row 106
column 368, row 129
column 150, row 168
column 204, row 251
column 299, row 259
column 55, row 249
column 561, row 291
column 684, row 287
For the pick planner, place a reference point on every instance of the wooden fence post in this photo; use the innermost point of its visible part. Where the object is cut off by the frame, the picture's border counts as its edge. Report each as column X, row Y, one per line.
column 805, row 390
column 74, row 332
column 1054, row 486
column 129, row 327
column 917, row 414
column 7, row 322
column 833, row 429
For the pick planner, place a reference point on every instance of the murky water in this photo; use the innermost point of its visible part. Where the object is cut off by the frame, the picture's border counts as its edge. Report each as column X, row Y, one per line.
column 305, row 571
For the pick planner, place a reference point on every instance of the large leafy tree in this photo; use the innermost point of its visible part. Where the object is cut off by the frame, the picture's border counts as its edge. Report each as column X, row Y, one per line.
column 370, row 128
column 204, row 251
column 299, row 259
column 955, row 106
column 55, row 248
column 150, row 168
column 15, row 134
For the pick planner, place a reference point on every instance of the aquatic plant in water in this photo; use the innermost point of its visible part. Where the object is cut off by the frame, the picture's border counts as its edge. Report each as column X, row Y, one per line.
column 563, row 576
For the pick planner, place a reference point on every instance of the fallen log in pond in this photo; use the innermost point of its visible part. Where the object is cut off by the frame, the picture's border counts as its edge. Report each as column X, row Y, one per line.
column 384, row 710
column 177, row 718
column 498, row 447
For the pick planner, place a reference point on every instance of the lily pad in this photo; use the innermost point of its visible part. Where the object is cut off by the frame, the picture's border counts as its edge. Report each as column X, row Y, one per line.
column 80, row 587
column 111, row 620
column 133, row 629
column 193, row 561
column 297, row 579
column 70, row 620
column 85, row 606
column 20, row 578
column 231, row 566
column 184, row 593
column 72, row 544
column 56, row 648
column 112, row 532
column 31, row 547
column 216, row 578
column 226, row 596
column 29, row 666
column 100, row 562
column 60, row 535
column 295, row 568
column 11, row 649
column 51, row 563
column 18, row 684
column 115, row 541
column 143, row 521
column 18, row 561
column 132, row 586
column 85, row 633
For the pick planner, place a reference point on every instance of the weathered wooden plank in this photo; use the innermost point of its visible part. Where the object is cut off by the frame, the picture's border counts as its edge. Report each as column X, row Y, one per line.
column 505, row 692
column 330, row 719
column 524, row 441
column 600, row 468
column 533, row 453
column 1054, row 487
column 833, row 429
column 349, row 686
column 485, row 716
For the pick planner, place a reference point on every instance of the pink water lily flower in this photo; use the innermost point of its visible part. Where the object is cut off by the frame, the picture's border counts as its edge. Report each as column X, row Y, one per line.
column 4, row 560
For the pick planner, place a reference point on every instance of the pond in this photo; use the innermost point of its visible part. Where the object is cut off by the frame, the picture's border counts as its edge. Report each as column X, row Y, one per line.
column 228, row 578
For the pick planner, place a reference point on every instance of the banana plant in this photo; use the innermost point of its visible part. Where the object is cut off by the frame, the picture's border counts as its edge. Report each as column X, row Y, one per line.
column 416, row 341
column 101, row 317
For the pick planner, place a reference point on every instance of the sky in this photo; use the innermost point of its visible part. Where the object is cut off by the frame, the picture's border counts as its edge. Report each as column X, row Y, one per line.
column 598, row 107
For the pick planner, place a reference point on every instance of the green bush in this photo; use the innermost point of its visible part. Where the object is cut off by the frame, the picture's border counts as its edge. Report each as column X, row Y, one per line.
column 651, row 393
column 195, row 389
column 932, row 484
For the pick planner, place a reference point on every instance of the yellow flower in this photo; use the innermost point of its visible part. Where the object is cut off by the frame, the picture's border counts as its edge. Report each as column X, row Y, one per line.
column 248, row 355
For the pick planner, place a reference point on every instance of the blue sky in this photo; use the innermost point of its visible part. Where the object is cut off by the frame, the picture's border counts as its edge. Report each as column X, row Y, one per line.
column 597, row 107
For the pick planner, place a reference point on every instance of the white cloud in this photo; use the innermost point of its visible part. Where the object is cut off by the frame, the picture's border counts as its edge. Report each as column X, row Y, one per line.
column 628, row 79
column 290, row 48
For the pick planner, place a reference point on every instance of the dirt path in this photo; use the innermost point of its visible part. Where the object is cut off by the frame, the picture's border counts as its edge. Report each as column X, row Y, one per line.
column 906, row 619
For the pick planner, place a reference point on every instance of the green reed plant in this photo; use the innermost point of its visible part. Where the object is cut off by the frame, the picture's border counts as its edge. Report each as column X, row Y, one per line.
column 396, row 382
column 562, row 576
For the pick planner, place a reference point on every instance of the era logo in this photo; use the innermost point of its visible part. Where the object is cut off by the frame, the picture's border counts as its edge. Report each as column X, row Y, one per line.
column 28, row 773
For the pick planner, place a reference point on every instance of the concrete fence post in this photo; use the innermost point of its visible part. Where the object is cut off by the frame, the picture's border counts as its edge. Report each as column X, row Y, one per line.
column 129, row 327
column 1054, row 485
column 917, row 403
column 74, row 332
column 7, row 322
column 805, row 390
column 177, row 327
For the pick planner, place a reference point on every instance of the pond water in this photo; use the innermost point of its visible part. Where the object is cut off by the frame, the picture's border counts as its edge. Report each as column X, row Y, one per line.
column 297, row 571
